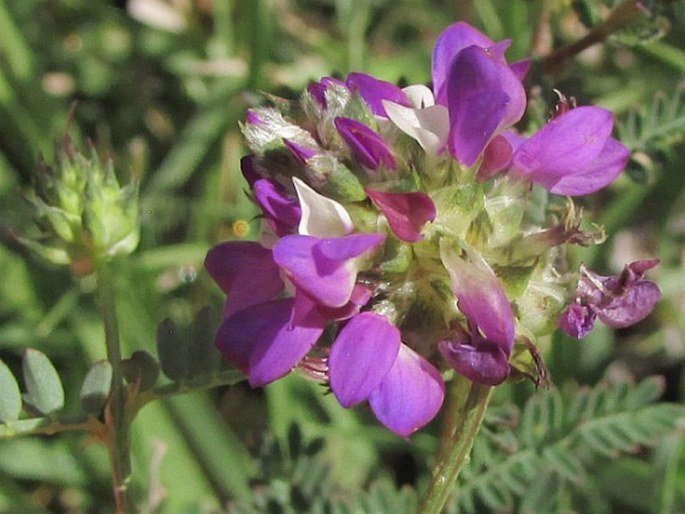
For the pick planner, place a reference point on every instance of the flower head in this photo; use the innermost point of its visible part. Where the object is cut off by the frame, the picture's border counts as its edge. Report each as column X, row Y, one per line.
column 400, row 243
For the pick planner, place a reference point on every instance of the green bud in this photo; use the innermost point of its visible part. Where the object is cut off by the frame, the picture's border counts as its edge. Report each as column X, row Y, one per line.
column 83, row 212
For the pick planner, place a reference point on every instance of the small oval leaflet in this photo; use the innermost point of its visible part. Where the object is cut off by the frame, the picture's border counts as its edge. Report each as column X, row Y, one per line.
column 10, row 396
column 44, row 391
column 96, row 386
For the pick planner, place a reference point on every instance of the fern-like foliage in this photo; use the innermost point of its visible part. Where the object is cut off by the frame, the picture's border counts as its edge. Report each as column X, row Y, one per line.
column 297, row 479
column 654, row 130
column 530, row 461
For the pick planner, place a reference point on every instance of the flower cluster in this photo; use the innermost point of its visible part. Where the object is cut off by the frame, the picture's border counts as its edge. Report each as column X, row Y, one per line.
column 410, row 231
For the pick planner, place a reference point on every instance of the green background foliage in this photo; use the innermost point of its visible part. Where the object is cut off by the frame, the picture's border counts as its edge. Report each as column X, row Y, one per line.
column 163, row 97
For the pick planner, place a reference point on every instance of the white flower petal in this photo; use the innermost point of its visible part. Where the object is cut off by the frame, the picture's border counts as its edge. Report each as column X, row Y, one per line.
column 321, row 216
column 429, row 126
column 420, row 96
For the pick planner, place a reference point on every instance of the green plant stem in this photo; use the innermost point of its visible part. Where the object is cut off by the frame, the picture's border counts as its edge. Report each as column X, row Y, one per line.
column 467, row 405
column 116, row 418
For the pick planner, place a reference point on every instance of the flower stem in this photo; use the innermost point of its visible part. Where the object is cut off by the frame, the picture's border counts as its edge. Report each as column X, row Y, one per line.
column 116, row 418
column 467, row 405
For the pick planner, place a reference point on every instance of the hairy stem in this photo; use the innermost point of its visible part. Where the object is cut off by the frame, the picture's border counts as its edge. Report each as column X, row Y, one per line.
column 116, row 418
column 467, row 405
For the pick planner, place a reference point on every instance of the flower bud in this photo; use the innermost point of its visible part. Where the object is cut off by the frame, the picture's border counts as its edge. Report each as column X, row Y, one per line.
column 83, row 212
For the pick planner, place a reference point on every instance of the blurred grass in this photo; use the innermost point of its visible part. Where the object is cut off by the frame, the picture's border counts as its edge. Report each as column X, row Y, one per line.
column 166, row 105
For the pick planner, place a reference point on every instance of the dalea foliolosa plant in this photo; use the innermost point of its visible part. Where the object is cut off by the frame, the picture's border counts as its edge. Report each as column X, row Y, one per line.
column 408, row 232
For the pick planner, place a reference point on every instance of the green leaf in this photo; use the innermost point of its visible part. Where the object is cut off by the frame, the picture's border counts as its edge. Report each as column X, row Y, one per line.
column 10, row 396
column 141, row 368
column 96, row 386
column 44, row 390
column 172, row 346
column 204, row 357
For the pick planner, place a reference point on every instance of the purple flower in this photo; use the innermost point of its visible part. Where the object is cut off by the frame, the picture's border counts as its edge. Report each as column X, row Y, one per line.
column 374, row 91
column 280, row 211
column 480, row 298
column 369, row 361
column 301, row 152
column 483, row 93
column 246, row 272
column 367, row 146
column 318, row 90
column 573, row 154
column 484, row 97
column 262, row 342
column 406, row 213
column 478, row 359
column 325, row 268
column 619, row 301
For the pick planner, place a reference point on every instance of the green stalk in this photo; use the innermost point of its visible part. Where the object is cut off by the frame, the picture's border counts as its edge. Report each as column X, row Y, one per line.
column 467, row 405
column 116, row 418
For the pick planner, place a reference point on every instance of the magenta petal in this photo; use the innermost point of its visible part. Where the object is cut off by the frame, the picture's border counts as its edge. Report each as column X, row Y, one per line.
column 410, row 394
column 360, row 297
column 485, row 363
column 497, row 157
column 484, row 97
column 260, row 341
column 318, row 90
column 450, row 42
column 578, row 320
column 245, row 271
column 301, row 152
column 601, row 172
column 280, row 211
column 633, row 306
column 406, row 213
column 324, row 268
column 366, row 145
column 374, row 91
column 567, row 145
column 361, row 356
column 520, row 68
column 480, row 297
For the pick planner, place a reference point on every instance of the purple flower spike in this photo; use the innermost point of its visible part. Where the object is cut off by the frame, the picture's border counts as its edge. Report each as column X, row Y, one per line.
column 484, row 97
column 361, row 356
column 619, row 301
column 261, row 342
column 410, row 394
column 483, row 361
column 406, row 213
column 281, row 212
column 366, row 145
column 573, row 154
column 480, row 296
column 325, row 269
column 246, row 272
column 374, row 91
column 450, row 42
